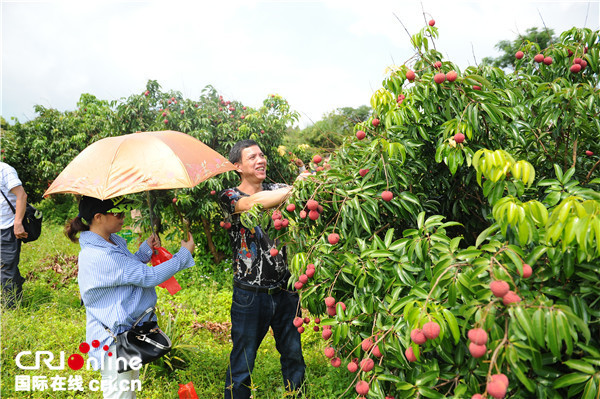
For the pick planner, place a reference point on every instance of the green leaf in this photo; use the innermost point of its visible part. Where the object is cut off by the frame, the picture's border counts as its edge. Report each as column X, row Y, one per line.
column 591, row 390
column 452, row 324
column 580, row 365
column 524, row 320
column 553, row 338
column 570, row 379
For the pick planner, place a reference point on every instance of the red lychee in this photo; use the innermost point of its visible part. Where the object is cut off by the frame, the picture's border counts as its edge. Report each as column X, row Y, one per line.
column 366, row 344
column 417, row 336
column 431, row 22
column 410, row 355
column 352, row 367
column 496, row 389
column 363, row 172
column 329, row 352
column 519, row 55
column 367, row 364
column 527, row 270
column 326, row 334
column 274, row 252
column 499, row 288
column 329, row 301
column 478, row 336
column 362, row 387
column 313, row 215
column 451, row 76
column 477, row 351
column 303, row 278
column 410, row 75
column 361, row 134
column 317, row 159
column 336, row 362
column 298, row 321
column 439, row 78
column 539, row 58
column 510, row 297
column 431, row 330
column 387, row 196
column 548, row 60
column 375, row 122
column 291, row 207
column 333, row 238
column 575, row 68
column 312, row 205
column 459, row 137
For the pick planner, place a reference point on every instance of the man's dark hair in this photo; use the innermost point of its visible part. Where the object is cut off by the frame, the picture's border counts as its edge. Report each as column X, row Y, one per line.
column 235, row 155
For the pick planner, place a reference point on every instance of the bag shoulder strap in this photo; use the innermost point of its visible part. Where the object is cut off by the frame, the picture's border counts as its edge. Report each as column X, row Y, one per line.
column 9, row 203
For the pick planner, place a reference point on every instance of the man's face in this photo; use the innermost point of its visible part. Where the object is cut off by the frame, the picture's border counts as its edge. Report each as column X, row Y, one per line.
column 253, row 164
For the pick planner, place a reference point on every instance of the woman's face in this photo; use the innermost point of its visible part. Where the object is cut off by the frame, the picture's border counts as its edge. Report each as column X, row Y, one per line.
column 112, row 222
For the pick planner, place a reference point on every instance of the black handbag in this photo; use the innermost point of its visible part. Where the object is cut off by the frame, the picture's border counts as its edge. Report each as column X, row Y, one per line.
column 144, row 341
column 32, row 221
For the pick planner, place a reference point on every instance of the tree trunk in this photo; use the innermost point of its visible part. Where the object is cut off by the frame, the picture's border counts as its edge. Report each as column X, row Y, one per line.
column 217, row 255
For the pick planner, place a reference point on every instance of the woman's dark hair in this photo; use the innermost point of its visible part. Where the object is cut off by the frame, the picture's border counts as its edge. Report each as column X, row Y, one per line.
column 235, row 155
column 74, row 227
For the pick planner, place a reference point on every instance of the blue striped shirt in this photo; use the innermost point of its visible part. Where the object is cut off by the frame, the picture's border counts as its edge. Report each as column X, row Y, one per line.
column 117, row 286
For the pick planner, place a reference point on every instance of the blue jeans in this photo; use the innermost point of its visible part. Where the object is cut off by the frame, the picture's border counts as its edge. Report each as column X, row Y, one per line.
column 251, row 316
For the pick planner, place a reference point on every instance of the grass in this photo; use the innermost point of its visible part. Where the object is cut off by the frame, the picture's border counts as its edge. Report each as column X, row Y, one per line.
column 50, row 317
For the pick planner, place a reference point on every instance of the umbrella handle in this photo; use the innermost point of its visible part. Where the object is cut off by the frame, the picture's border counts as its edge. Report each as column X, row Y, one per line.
column 184, row 222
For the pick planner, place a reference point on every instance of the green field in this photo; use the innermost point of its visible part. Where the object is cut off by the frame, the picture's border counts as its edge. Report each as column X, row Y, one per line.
column 51, row 318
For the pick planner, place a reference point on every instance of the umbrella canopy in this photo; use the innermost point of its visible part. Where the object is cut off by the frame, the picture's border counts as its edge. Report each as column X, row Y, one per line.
column 138, row 162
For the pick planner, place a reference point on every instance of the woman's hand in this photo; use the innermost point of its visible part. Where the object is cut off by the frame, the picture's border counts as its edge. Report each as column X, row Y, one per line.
column 189, row 244
column 153, row 241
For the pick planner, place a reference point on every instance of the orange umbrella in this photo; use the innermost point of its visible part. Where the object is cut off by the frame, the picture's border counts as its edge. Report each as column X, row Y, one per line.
column 138, row 162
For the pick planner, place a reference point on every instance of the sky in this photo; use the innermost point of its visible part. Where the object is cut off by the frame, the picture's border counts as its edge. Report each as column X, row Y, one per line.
column 319, row 55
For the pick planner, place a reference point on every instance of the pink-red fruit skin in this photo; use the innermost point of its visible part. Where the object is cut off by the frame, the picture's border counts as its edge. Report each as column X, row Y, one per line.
column 575, row 68
column 333, row 238
column 410, row 75
column 451, row 76
column 329, row 352
column 459, row 137
column 527, row 270
column 477, row 396
column 417, row 336
column 336, row 362
column 431, row 22
column 367, row 344
column 539, row 58
column 410, row 354
column 496, row 389
column 589, row 153
column 477, row 351
column 499, row 288
column 510, row 297
column 519, row 55
column 387, row 196
column 439, row 78
column 361, row 134
column 329, row 301
column 500, row 378
column 431, row 330
column 352, row 367
column 362, row 387
column 367, row 364
column 478, row 336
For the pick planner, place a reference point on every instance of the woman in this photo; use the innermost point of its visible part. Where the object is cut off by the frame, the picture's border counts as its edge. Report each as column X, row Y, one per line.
column 116, row 286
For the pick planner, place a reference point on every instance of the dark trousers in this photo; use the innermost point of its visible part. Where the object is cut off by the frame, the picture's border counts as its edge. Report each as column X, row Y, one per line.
column 251, row 316
column 12, row 281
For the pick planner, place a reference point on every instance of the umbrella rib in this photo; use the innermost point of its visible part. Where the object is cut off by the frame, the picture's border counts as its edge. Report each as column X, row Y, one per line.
column 109, row 172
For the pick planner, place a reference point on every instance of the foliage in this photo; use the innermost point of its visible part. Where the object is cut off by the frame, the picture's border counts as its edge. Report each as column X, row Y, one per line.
column 518, row 190
column 543, row 39
column 41, row 148
column 329, row 132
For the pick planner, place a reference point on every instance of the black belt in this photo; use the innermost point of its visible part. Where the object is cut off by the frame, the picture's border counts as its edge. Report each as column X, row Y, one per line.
column 274, row 289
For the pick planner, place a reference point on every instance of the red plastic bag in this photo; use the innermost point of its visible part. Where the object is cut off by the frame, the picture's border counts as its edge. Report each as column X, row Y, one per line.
column 159, row 255
column 187, row 391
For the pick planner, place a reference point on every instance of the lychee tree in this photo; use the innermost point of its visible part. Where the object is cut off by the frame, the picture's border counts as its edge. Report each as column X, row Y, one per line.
column 468, row 227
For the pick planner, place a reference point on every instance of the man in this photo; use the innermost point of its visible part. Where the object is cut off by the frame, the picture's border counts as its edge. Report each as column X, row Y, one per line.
column 12, row 230
column 261, row 298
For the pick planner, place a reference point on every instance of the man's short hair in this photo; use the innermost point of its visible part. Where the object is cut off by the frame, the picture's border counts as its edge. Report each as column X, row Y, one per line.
column 235, row 155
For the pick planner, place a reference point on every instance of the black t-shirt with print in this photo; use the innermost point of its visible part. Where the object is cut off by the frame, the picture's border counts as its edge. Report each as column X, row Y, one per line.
column 252, row 260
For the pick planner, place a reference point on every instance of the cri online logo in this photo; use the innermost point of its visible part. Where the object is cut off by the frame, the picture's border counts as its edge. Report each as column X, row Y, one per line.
column 75, row 361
